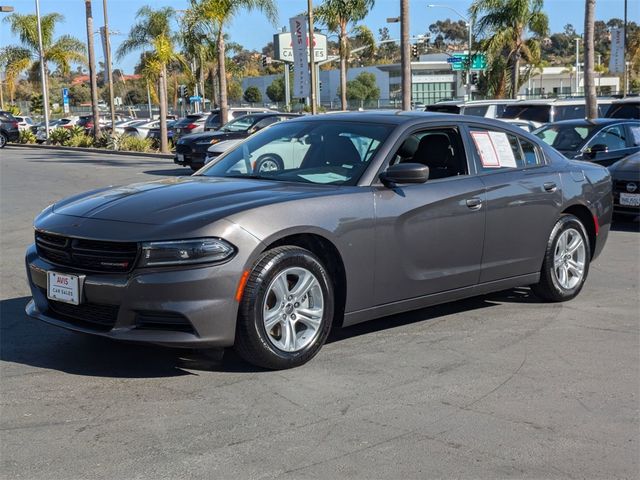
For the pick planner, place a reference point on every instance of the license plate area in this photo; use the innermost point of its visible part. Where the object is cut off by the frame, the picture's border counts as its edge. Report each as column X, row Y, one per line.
column 65, row 288
column 630, row 199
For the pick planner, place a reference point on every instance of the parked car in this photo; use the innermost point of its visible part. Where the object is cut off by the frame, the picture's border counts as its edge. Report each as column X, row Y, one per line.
column 625, row 175
column 9, row 128
column 384, row 213
column 191, row 150
column 40, row 130
column 625, row 108
column 24, row 123
column 68, row 122
column 447, row 106
column 123, row 124
column 485, row 108
column 154, row 133
column 141, row 130
column 213, row 120
column 541, row 112
column 526, row 125
column 193, row 123
column 603, row 141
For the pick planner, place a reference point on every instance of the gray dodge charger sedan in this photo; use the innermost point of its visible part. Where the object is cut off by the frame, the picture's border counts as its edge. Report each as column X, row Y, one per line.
column 365, row 215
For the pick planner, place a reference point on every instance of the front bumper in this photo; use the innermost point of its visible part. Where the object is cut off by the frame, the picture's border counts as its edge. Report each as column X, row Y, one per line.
column 620, row 186
column 188, row 307
column 188, row 156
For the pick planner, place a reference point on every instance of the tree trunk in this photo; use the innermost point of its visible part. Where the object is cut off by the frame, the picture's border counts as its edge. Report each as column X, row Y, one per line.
column 162, row 93
column 405, row 55
column 92, row 70
column 222, row 78
column 214, row 96
column 515, row 75
column 343, row 66
column 589, row 60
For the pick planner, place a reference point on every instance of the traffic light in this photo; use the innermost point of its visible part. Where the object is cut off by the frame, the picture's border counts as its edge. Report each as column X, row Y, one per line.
column 182, row 90
column 266, row 60
column 474, row 78
column 414, row 50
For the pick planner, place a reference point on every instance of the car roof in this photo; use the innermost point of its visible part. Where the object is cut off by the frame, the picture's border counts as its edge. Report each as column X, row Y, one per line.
column 596, row 121
column 498, row 101
column 559, row 101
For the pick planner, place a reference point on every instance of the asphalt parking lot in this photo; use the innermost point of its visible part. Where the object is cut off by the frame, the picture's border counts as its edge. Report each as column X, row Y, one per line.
column 493, row 387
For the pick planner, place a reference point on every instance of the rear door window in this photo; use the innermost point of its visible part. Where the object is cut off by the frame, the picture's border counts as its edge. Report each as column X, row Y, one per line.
column 498, row 151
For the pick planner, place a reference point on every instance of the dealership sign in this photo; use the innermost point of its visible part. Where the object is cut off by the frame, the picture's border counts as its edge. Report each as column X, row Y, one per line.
column 284, row 49
column 616, row 61
column 300, row 57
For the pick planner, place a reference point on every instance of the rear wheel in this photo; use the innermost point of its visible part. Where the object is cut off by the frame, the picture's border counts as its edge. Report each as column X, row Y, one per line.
column 286, row 309
column 566, row 261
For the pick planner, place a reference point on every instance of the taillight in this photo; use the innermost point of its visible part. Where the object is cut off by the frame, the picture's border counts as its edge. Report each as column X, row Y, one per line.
column 89, row 125
column 191, row 126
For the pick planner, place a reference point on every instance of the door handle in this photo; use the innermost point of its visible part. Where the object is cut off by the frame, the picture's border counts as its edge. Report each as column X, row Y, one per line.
column 474, row 203
column 550, row 187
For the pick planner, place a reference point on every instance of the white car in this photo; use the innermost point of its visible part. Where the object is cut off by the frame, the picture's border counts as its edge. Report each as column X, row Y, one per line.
column 141, row 130
column 24, row 123
column 120, row 126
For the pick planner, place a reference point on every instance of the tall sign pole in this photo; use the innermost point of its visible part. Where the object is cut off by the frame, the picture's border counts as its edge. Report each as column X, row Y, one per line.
column 45, row 94
column 107, row 58
column 92, row 69
column 405, row 55
column 312, row 62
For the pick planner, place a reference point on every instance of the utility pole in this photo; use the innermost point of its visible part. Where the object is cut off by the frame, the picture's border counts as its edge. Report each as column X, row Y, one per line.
column 624, row 50
column 108, row 65
column 92, row 69
column 43, row 77
column 405, row 55
column 577, row 65
column 312, row 60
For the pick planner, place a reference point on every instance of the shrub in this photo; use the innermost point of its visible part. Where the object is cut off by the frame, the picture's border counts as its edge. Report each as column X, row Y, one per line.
column 80, row 140
column 27, row 136
column 59, row 136
column 76, row 130
column 135, row 144
column 13, row 109
column 253, row 95
column 107, row 140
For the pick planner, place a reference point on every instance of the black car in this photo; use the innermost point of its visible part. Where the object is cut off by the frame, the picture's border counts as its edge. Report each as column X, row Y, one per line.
column 191, row 150
column 603, row 141
column 625, row 175
column 154, row 133
column 9, row 131
column 625, row 108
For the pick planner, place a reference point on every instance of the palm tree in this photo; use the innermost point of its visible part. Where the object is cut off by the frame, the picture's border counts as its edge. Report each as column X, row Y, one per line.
column 215, row 15
column 154, row 30
column 506, row 23
column 589, row 59
column 62, row 52
column 337, row 15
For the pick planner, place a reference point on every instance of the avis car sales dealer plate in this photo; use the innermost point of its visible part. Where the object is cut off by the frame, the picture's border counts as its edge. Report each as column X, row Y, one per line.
column 63, row 288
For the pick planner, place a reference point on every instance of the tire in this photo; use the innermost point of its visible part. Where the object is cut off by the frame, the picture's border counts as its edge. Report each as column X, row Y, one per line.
column 3, row 140
column 560, row 279
column 272, row 348
column 269, row 163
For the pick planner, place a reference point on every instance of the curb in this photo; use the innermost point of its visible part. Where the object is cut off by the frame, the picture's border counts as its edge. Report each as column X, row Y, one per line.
column 92, row 150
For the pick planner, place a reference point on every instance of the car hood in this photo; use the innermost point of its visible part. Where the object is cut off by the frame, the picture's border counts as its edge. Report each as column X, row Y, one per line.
column 224, row 145
column 196, row 199
column 626, row 169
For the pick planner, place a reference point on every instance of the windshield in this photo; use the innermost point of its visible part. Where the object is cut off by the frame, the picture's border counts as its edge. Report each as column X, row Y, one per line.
column 565, row 137
column 328, row 152
column 535, row 113
column 241, row 124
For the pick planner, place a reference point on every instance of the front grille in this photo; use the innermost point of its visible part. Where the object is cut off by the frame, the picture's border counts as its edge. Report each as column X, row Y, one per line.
column 87, row 255
column 91, row 315
column 621, row 186
column 181, row 148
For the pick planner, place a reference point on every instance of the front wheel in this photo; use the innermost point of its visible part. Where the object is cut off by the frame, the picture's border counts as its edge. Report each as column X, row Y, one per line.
column 3, row 140
column 286, row 309
column 269, row 163
column 566, row 261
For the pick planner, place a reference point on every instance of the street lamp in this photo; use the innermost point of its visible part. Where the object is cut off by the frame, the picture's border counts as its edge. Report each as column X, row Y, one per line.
column 45, row 93
column 469, row 22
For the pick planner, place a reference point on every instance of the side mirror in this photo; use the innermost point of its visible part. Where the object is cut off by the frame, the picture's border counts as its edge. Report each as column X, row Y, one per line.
column 404, row 173
column 597, row 148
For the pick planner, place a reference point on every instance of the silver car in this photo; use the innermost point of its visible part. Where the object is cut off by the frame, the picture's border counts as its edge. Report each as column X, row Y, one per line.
column 369, row 214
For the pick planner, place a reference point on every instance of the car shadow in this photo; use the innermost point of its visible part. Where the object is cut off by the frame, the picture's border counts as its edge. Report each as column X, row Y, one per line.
column 626, row 224
column 175, row 172
column 27, row 341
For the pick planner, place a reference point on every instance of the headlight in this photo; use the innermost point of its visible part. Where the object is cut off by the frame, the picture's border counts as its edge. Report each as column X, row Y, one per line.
column 181, row 252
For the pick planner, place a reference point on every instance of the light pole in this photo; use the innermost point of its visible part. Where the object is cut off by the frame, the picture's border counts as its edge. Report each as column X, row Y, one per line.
column 405, row 55
column 45, row 94
column 107, row 54
column 469, row 22
column 577, row 65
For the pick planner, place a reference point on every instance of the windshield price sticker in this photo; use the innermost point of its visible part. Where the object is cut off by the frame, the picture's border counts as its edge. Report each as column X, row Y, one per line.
column 486, row 149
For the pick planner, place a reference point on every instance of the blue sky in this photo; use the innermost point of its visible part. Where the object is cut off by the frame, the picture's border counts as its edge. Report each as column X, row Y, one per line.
column 253, row 31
